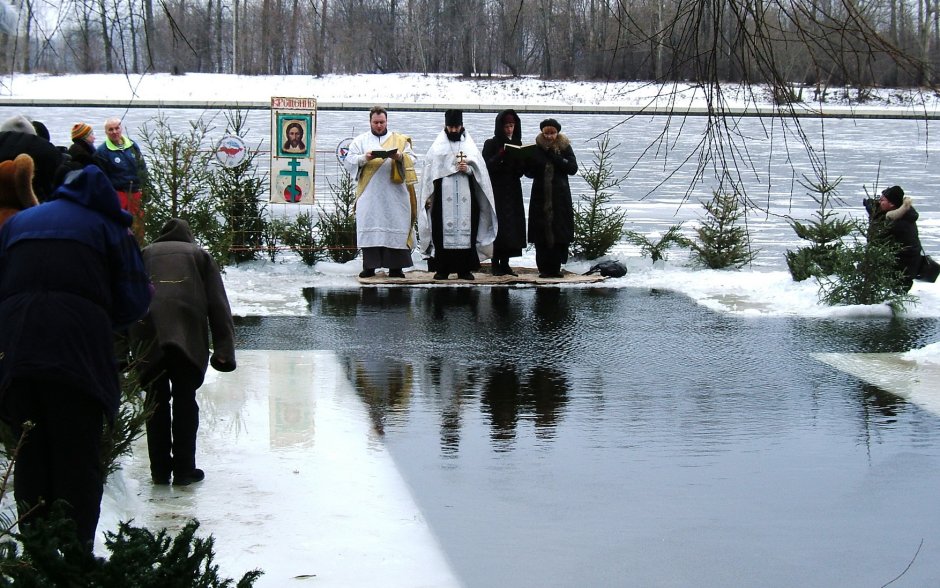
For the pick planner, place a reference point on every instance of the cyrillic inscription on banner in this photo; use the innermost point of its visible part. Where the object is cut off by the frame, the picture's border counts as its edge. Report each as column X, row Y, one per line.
column 293, row 153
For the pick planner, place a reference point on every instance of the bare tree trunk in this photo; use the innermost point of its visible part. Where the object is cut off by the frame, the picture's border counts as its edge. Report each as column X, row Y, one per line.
column 149, row 40
column 893, row 21
column 219, row 53
column 235, row 34
column 320, row 65
column 133, row 24
column 28, row 6
column 267, row 15
column 106, row 37
column 546, row 41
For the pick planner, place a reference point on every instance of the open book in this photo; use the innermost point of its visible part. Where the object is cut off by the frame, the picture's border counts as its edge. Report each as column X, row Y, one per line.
column 379, row 154
column 520, row 152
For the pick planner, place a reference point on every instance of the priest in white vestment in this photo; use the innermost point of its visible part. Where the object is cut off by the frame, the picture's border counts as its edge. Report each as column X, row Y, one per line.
column 382, row 162
column 457, row 224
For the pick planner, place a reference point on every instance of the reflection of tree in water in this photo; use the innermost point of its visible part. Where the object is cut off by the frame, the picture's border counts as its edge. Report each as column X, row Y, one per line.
column 878, row 413
column 885, row 403
column 384, row 384
column 507, row 399
column 894, row 335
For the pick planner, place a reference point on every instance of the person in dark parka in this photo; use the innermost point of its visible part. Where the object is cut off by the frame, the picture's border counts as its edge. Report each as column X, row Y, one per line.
column 505, row 173
column 893, row 217
column 551, row 212
column 17, row 135
column 70, row 275
column 173, row 344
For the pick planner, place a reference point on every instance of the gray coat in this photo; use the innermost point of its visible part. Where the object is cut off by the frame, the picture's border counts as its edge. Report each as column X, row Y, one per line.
column 190, row 301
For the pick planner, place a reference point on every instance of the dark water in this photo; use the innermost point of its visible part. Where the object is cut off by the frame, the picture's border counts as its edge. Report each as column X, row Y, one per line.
column 617, row 437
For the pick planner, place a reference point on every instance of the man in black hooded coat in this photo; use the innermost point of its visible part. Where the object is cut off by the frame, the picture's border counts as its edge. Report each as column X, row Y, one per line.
column 505, row 174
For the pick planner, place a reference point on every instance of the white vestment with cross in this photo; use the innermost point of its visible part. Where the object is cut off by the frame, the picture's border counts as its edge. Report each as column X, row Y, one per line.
column 441, row 162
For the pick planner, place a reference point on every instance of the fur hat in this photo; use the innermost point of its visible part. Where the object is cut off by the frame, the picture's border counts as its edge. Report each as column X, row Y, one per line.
column 453, row 118
column 16, row 186
column 18, row 123
column 550, row 122
column 894, row 195
column 80, row 131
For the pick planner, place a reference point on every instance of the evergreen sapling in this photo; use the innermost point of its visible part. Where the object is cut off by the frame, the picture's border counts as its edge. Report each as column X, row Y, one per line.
column 721, row 243
column 598, row 226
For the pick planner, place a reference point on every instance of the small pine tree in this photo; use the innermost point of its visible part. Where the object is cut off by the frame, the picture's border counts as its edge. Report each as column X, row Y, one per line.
column 179, row 184
column 52, row 556
column 826, row 232
column 299, row 236
column 271, row 236
column 597, row 225
column 866, row 272
column 338, row 226
column 239, row 192
column 721, row 243
column 656, row 250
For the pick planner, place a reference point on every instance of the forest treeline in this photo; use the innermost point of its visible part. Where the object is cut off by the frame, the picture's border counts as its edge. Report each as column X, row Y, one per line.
column 782, row 43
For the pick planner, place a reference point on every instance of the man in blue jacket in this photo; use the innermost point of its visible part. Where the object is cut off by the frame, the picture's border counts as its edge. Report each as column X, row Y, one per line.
column 70, row 273
column 122, row 161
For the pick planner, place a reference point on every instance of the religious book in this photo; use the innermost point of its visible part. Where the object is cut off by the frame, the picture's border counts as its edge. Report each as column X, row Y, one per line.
column 520, row 152
column 379, row 154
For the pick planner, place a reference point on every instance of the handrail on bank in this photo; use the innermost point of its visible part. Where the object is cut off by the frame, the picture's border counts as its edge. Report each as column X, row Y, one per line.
column 795, row 110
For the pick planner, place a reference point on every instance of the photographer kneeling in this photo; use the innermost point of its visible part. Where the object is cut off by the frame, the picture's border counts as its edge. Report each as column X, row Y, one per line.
column 897, row 220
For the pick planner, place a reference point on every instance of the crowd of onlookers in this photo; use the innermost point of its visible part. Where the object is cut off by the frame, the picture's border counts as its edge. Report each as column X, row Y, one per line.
column 72, row 276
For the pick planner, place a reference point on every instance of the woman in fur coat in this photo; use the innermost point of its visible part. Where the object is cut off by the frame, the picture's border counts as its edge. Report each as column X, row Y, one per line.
column 551, row 212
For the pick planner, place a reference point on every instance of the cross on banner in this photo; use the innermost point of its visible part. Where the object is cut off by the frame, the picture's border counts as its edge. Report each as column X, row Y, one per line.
column 293, row 193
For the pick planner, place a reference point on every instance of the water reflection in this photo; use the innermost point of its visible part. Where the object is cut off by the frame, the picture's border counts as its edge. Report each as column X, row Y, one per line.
column 883, row 406
column 385, row 386
column 503, row 363
column 870, row 335
column 544, row 396
column 291, row 407
column 500, row 398
column 507, row 399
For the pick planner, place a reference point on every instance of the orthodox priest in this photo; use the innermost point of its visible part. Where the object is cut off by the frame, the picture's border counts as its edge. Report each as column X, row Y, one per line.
column 382, row 163
column 458, row 223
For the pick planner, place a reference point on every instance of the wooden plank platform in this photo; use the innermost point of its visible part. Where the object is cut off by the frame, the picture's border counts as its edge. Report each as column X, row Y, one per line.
column 483, row 277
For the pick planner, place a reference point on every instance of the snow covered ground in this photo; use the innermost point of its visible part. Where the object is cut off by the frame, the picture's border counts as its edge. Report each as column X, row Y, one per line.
column 433, row 89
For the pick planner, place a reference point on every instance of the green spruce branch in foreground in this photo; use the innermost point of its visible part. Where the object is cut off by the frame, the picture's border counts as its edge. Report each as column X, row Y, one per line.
column 655, row 249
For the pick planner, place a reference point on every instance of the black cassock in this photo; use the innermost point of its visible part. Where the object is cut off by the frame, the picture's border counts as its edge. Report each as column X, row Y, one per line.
column 454, row 261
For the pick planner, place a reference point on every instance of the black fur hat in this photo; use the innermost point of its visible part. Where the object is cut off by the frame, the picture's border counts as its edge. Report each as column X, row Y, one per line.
column 894, row 195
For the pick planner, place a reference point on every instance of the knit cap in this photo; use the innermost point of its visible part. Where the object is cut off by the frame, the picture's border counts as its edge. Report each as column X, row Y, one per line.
column 894, row 195
column 80, row 131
